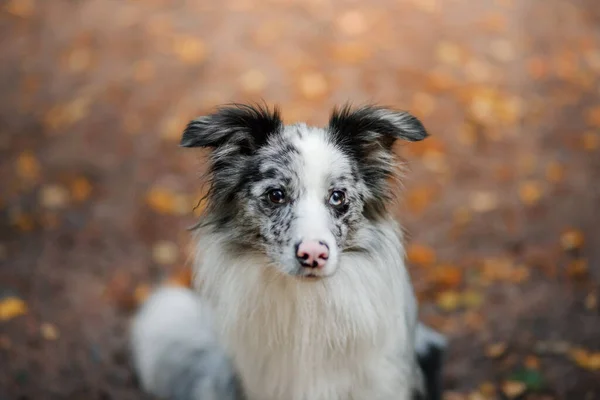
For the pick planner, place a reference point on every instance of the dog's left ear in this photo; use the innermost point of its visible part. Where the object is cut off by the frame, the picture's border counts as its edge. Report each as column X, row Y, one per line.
column 371, row 124
column 243, row 126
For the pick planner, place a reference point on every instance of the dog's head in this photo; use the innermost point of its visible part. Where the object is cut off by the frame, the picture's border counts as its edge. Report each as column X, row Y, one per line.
column 297, row 193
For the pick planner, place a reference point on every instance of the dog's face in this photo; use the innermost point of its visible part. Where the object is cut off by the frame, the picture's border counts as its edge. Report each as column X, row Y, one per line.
column 297, row 193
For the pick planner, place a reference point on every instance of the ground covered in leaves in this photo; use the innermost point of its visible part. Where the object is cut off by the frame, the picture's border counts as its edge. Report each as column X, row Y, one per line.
column 501, row 204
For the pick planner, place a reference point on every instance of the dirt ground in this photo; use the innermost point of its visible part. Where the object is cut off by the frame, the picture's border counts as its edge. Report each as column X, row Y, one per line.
column 501, row 204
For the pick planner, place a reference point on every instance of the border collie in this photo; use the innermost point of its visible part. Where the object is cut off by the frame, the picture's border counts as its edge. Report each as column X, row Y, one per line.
column 300, row 289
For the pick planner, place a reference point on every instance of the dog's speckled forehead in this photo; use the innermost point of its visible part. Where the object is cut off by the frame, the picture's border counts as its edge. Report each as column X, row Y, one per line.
column 248, row 142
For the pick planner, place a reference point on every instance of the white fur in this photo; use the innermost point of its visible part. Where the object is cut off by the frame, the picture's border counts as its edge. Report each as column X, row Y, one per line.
column 349, row 336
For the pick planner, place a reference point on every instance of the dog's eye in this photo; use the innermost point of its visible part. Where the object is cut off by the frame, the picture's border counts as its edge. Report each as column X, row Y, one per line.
column 337, row 198
column 276, row 196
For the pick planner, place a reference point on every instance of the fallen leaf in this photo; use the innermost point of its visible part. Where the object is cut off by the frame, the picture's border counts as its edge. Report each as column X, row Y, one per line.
column 11, row 307
column 530, row 192
column 352, row 23
column 513, row 389
column 420, row 254
column 471, row 298
column 496, row 350
column 190, row 50
column 537, row 68
column 165, row 252
column 503, row 50
column 79, row 59
column 49, row 331
column 20, row 8
column 253, row 81
column 447, row 276
column 141, row 293
column 165, row 201
column 313, row 85
column 182, row 278
column 81, row 189
column 590, row 141
column 119, row 290
column 532, row 379
column 54, row 196
column 555, row 172
column 578, row 269
column 532, row 362
column 572, row 239
column 28, row 168
column 591, row 301
column 448, row 53
column 488, row 390
column 144, row 71
column 494, row 23
column 419, row 198
column 448, row 395
column 592, row 116
column 429, row 6
column 448, row 300
column 483, row 201
column 351, row 53
column 462, row 216
column 585, row 358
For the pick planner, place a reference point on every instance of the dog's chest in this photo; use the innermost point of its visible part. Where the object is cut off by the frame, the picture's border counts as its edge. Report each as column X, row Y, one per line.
column 286, row 345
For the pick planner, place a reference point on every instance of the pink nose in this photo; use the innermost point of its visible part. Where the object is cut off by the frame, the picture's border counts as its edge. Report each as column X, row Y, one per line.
column 312, row 253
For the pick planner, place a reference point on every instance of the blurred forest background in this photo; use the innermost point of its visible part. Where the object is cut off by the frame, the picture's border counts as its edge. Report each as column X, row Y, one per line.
column 501, row 203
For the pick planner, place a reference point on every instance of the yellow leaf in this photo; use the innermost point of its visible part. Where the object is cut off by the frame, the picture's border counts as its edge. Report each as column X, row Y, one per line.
column 28, row 167
column 472, row 299
column 54, row 196
column 449, row 300
column 11, row 307
column 503, row 50
column 483, row 201
column 20, row 8
column 555, row 172
column 253, row 81
column 530, row 192
column 496, row 350
column 49, row 331
column 165, row 252
column 141, row 293
column 572, row 239
column 313, row 85
column 448, row 53
column 167, row 202
column 190, row 50
column 590, row 141
column 352, row 23
column 513, row 389
column 591, row 301
column 578, row 269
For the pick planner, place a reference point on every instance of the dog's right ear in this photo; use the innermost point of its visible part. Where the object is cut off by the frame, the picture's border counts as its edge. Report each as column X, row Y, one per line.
column 248, row 127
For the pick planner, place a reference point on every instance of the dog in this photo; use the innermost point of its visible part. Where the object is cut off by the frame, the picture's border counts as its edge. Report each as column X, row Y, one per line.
column 300, row 288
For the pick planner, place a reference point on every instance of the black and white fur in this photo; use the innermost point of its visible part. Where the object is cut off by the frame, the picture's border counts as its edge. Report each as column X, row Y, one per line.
column 347, row 331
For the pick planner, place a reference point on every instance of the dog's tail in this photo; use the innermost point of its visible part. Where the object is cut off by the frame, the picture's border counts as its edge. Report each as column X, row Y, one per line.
column 175, row 352
column 431, row 347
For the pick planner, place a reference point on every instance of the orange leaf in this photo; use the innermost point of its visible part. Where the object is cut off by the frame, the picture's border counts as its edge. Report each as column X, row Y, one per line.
column 420, row 254
column 572, row 239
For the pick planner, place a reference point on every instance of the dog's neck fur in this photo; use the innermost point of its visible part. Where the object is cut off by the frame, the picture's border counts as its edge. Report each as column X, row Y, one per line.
column 310, row 340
